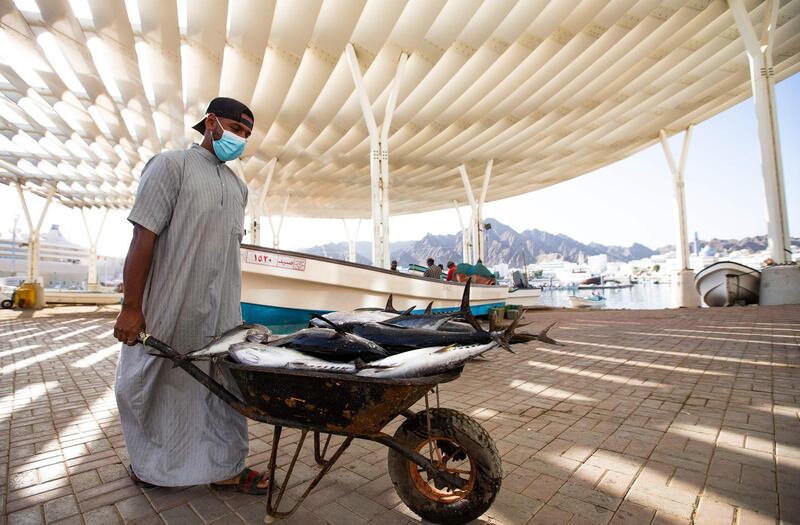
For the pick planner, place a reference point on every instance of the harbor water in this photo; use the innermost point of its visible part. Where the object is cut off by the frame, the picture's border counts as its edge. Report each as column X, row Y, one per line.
column 642, row 296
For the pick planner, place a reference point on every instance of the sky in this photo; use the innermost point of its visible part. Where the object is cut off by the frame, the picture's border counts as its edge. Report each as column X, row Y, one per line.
column 626, row 202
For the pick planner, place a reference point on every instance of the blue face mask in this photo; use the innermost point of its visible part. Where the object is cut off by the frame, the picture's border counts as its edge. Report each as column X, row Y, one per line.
column 228, row 147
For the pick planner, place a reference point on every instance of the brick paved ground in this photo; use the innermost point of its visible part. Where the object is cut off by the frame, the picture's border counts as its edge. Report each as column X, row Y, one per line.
column 643, row 417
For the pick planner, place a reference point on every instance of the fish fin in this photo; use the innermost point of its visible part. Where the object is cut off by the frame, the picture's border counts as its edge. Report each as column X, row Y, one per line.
column 465, row 297
column 339, row 329
column 429, row 308
column 466, row 311
column 445, row 349
column 543, row 337
column 389, row 306
column 361, row 365
column 508, row 334
column 408, row 310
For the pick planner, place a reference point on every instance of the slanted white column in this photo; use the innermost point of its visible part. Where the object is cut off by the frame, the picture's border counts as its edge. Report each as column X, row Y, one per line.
column 466, row 243
column 33, row 234
column 257, row 204
column 276, row 232
column 91, row 282
column 684, row 293
column 478, row 249
column 351, row 240
column 379, row 155
column 759, row 55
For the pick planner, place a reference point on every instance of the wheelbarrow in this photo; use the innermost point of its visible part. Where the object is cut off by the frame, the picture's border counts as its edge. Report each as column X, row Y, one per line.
column 442, row 463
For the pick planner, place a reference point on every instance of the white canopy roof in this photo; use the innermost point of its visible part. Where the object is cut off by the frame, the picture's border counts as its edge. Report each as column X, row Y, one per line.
column 550, row 90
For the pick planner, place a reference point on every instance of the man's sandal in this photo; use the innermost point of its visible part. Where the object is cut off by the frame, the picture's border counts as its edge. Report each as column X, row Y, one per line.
column 137, row 480
column 248, row 483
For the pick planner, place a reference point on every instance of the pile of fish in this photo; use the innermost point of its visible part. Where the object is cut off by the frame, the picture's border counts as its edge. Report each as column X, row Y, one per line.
column 372, row 342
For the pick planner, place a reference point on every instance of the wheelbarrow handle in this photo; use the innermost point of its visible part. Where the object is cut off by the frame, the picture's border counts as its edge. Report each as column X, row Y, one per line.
column 217, row 389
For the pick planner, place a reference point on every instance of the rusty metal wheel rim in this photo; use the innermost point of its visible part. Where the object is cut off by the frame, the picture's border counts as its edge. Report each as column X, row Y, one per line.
column 426, row 487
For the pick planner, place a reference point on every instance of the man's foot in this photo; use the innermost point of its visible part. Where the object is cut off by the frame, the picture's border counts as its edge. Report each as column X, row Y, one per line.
column 247, row 482
column 138, row 481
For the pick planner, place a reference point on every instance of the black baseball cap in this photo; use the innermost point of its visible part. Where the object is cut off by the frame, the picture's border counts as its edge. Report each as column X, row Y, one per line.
column 227, row 108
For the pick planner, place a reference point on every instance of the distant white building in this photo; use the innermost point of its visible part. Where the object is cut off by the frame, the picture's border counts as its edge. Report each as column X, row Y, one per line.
column 597, row 263
column 62, row 264
column 501, row 269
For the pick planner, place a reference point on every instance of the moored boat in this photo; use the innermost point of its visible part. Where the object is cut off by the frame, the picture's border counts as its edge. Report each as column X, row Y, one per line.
column 592, row 301
column 285, row 288
column 727, row 283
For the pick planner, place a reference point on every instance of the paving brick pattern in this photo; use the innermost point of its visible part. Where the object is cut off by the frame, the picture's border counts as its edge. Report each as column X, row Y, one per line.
column 642, row 417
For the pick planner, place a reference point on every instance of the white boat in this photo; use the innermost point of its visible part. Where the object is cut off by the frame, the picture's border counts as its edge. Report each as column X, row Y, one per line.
column 592, row 301
column 284, row 288
column 524, row 296
column 727, row 283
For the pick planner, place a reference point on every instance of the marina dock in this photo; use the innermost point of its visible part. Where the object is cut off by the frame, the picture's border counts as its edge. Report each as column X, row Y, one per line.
column 645, row 417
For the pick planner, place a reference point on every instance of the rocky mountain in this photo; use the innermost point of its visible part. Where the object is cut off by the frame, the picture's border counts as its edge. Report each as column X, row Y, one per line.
column 754, row 244
column 503, row 244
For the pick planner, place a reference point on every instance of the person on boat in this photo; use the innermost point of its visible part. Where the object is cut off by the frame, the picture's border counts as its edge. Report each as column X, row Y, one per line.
column 393, row 267
column 433, row 271
column 451, row 270
column 182, row 281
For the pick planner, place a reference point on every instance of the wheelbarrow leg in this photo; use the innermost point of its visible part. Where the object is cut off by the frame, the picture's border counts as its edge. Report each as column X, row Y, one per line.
column 272, row 507
column 319, row 457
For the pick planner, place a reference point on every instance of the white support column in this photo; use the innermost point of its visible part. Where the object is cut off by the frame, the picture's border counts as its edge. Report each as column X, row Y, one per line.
column 33, row 233
column 481, row 238
column 92, row 281
column 759, row 55
column 276, row 232
column 351, row 240
column 257, row 204
column 477, row 240
column 379, row 155
column 466, row 245
column 684, row 293
column 469, row 256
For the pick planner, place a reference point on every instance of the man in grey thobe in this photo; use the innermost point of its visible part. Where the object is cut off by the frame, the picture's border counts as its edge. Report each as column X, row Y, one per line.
column 182, row 284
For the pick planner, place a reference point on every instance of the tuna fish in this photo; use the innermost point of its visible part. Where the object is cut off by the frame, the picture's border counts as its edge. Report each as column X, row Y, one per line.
column 254, row 333
column 330, row 344
column 426, row 361
column 395, row 339
column 264, row 356
column 389, row 315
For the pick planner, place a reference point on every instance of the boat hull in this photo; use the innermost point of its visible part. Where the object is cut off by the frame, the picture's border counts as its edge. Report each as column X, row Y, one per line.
column 727, row 283
column 286, row 288
column 580, row 302
column 524, row 296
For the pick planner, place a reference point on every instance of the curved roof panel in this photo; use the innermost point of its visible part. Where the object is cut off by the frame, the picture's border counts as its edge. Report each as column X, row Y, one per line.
column 91, row 89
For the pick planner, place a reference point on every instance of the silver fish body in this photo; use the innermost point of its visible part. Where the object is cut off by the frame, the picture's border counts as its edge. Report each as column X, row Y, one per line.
column 264, row 356
column 425, row 361
column 354, row 317
column 255, row 333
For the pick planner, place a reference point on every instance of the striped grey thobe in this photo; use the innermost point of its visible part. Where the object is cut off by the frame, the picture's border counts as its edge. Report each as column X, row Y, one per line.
column 177, row 432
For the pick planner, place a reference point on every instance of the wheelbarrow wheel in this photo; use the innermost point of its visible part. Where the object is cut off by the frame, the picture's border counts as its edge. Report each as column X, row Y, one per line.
column 460, row 445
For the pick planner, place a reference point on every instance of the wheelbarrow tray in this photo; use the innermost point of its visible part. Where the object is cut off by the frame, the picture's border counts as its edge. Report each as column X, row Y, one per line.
column 325, row 402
